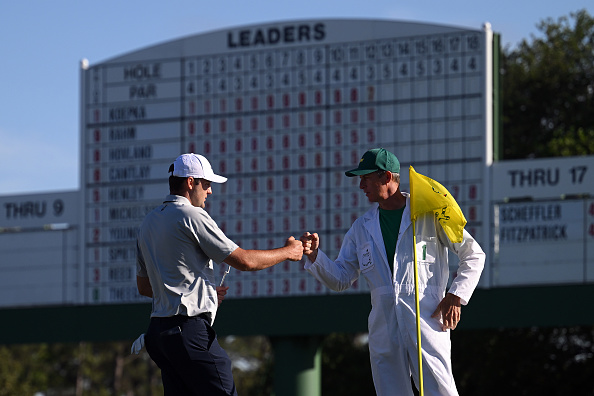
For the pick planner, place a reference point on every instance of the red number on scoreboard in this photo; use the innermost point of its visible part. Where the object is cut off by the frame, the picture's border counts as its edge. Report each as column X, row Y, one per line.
column 472, row 192
column 318, row 201
column 337, row 96
column 301, row 141
column 302, row 99
column 302, row 285
column 354, row 95
column 472, row 213
column 301, row 182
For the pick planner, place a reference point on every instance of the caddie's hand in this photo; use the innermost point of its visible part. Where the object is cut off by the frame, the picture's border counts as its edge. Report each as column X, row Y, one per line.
column 295, row 249
column 221, row 293
column 311, row 243
column 449, row 310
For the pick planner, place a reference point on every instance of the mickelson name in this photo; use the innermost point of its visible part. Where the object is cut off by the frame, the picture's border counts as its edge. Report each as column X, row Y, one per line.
column 288, row 34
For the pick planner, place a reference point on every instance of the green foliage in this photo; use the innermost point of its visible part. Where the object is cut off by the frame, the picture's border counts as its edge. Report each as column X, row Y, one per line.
column 572, row 142
column 346, row 369
column 536, row 361
column 253, row 364
column 532, row 361
column 79, row 369
column 548, row 91
column 16, row 377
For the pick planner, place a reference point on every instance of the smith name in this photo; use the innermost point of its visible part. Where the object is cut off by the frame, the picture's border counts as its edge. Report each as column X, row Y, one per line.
column 288, row 34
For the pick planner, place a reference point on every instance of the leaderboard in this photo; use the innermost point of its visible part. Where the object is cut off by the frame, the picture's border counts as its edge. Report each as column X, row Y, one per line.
column 543, row 222
column 282, row 110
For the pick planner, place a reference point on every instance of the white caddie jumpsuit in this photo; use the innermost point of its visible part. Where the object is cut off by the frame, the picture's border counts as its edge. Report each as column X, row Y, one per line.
column 392, row 321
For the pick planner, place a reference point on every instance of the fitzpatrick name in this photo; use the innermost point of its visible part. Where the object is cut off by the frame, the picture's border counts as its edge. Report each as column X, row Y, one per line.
column 288, row 34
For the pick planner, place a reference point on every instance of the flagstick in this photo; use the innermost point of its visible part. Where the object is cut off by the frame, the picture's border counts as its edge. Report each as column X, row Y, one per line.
column 420, row 354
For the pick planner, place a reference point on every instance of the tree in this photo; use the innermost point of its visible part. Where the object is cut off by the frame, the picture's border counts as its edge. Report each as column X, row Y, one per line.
column 548, row 91
column 89, row 369
column 526, row 361
column 346, row 369
column 253, row 364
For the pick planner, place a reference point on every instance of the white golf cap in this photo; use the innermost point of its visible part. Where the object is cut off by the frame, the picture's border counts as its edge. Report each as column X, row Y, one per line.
column 195, row 165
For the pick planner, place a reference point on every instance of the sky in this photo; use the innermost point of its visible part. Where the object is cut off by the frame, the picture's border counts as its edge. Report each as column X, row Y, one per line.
column 43, row 42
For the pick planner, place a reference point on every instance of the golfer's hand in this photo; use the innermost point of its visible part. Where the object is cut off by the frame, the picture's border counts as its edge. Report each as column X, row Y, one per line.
column 449, row 311
column 221, row 293
column 137, row 345
column 295, row 249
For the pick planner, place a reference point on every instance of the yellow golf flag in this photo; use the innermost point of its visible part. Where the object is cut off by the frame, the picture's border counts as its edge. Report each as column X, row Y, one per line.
column 427, row 195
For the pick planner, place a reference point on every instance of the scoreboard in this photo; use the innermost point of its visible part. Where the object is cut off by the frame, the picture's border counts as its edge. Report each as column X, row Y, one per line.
column 543, row 222
column 282, row 110
column 39, row 240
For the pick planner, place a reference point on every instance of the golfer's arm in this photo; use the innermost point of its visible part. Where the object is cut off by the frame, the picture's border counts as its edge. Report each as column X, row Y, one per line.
column 256, row 260
column 144, row 286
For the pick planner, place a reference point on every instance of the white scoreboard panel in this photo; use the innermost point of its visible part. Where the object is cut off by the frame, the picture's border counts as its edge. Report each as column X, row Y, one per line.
column 545, row 242
column 39, row 242
column 543, row 221
column 282, row 110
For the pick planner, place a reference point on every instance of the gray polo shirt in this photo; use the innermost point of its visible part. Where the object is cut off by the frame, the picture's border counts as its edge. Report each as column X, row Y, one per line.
column 177, row 244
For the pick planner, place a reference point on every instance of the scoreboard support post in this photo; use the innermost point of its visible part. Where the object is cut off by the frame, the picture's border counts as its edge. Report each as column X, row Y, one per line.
column 297, row 365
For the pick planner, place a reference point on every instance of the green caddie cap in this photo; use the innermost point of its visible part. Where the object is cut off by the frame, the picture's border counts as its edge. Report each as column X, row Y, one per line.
column 374, row 160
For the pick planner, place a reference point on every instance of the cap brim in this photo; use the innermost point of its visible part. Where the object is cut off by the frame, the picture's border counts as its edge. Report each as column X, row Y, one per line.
column 215, row 179
column 359, row 172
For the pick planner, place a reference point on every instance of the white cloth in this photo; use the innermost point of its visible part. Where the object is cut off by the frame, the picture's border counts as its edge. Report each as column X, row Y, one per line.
column 392, row 321
column 137, row 345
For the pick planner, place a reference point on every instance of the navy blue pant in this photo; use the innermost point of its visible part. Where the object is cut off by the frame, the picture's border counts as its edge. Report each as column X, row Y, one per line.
column 190, row 358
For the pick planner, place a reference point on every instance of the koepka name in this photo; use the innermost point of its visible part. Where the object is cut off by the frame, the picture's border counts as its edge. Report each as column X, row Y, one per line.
column 288, row 34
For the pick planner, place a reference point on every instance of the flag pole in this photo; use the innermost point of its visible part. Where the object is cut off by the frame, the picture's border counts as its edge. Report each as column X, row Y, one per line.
column 418, row 311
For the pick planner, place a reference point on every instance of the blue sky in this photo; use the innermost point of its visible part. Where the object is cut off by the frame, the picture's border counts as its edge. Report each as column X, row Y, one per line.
column 42, row 43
